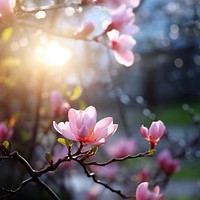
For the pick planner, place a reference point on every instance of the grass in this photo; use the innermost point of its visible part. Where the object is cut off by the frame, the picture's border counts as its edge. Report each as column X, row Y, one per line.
column 175, row 114
column 189, row 170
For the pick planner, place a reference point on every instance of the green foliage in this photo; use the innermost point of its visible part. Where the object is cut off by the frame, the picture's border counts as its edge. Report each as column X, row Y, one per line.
column 6, row 144
column 25, row 136
column 48, row 156
column 6, row 34
column 77, row 92
column 95, row 149
column 65, row 142
column 189, row 170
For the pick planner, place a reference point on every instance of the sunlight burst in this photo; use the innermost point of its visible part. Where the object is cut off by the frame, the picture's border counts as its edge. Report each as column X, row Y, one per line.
column 52, row 54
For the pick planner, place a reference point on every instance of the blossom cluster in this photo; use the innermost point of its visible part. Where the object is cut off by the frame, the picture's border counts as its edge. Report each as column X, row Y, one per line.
column 118, row 30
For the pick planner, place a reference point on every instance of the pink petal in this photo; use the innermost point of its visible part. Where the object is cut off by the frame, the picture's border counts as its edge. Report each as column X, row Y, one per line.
column 154, row 131
column 73, row 115
column 157, row 190
column 113, row 35
column 100, row 142
column 112, row 129
column 127, row 41
column 83, row 132
column 144, row 131
column 91, row 111
column 105, row 122
column 142, row 192
column 104, row 131
column 124, row 58
column 90, row 117
column 86, row 29
column 162, row 127
column 64, row 129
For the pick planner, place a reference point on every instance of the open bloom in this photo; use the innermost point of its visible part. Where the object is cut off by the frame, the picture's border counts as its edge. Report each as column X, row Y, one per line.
column 154, row 133
column 167, row 163
column 121, row 46
column 122, row 20
column 143, row 192
column 85, row 30
column 5, row 134
column 82, row 127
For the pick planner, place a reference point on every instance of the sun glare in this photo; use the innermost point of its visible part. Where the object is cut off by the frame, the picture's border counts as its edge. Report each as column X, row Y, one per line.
column 52, row 54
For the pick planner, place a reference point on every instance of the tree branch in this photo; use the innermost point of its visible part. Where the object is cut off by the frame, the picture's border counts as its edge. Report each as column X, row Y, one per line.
column 144, row 154
column 92, row 175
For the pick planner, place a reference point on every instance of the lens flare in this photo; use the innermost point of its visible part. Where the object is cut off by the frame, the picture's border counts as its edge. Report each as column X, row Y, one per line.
column 52, row 54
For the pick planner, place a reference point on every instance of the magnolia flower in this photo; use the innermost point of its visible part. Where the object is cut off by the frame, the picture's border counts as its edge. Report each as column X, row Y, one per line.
column 122, row 20
column 121, row 46
column 123, row 147
column 82, row 127
column 143, row 192
column 167, row 163
column 58, row 106
column 6, row 10
column 154, row 133
column 5, row 134
column 86, row 29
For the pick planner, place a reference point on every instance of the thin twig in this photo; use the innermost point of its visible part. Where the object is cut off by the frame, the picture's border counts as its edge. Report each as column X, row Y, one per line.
column 11, row 192
column 34, row 175
column 47, row 189
column 144, row 154
column 92, row 175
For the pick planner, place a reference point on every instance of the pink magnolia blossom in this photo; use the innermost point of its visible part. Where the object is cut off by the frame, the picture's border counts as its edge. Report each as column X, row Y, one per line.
column 5, row 134
column 167, row 163
column 6, row 10
column 154, row 133
column 86, row 29
column 58, row 106
column 121, row 46
column 82, row 127
column 123, row 147
column 143, row 192
column 122, row 20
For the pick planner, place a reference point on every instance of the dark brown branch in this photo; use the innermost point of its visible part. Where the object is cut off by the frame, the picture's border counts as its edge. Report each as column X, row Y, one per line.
column 47, row 189
column 52, row 167
column 23, row 161
column 92, row 175
column 34, row 174
column 11, row 192
column 144, row 154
